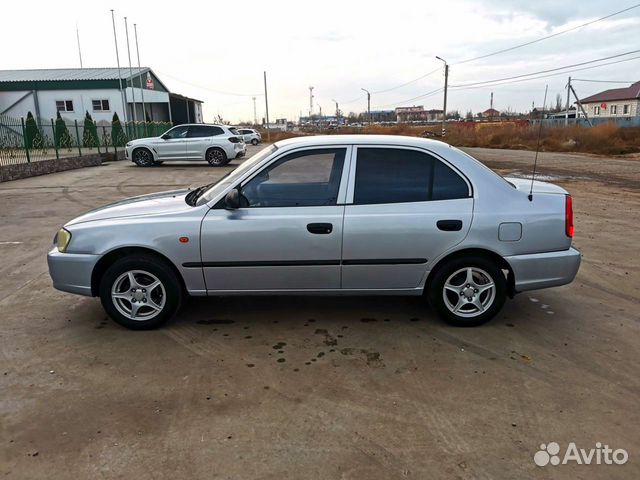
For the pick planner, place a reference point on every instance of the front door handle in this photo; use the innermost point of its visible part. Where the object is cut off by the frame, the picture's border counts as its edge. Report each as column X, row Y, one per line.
column 320, row 228
column 449, row 225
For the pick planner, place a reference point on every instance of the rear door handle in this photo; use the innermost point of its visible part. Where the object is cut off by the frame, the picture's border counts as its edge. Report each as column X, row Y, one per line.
column 320, row 228
column 449, row 225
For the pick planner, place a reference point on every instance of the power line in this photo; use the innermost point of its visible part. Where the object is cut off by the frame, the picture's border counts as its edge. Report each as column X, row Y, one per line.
column 211, row 89
column 550, row 75
column 547, row 37
column 544, row 71
column 602, row 81
column 408, row 83
column 424, row 95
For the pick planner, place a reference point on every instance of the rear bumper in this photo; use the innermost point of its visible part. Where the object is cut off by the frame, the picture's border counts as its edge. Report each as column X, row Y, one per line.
column 544, row 270
column 71, row 272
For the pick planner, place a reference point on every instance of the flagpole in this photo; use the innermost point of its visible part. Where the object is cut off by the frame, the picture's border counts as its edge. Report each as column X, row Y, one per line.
column 133, row 90
column 144, row 111
column 123, row 93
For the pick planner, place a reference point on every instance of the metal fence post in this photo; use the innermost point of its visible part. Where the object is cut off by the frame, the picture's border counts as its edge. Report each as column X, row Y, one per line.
column 55, row 141
column 24, row 139
column 104, row 137
column 78, row 138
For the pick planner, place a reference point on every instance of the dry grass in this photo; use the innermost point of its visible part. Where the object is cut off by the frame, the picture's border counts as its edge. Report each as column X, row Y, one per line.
column 605, row 139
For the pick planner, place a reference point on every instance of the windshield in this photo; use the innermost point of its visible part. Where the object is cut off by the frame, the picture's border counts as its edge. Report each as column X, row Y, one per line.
column 208, row 193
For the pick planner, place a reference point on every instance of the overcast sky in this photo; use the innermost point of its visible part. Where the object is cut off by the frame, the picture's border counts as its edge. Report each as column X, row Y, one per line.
column 209, row 50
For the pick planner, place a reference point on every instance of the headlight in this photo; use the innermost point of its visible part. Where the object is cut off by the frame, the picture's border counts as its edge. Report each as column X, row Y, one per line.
column 63, row 237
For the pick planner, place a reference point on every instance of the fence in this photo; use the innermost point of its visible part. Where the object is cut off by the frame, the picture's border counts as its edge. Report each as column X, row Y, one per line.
column 31, row 140
column 619, row 121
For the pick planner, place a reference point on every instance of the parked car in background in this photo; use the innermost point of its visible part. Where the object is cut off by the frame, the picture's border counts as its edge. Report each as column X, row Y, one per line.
column 217, row 144
column 250, row 135
column 340, row 214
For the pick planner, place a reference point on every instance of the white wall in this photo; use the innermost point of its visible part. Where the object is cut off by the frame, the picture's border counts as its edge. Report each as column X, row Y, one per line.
column 634, row 109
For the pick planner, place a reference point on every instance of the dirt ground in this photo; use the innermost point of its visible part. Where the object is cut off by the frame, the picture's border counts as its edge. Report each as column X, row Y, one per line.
column 295, row 387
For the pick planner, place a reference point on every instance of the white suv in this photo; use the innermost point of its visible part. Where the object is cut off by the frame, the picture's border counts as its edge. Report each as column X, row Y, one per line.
column 250, row 135
column 217, row 144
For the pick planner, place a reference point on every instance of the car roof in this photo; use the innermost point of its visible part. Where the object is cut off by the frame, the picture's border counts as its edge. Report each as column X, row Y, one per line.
column 362, row 138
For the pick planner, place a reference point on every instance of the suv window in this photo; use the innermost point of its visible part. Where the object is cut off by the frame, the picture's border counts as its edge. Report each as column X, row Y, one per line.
column 204, row 131
column 177, row 132
column 390, row 175
column 301, row 179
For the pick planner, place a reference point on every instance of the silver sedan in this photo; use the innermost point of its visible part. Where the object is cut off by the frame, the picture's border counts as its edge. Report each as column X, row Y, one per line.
column 337, row 215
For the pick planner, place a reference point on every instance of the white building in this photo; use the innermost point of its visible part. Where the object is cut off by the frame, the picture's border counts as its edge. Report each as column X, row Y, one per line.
column 99, row 91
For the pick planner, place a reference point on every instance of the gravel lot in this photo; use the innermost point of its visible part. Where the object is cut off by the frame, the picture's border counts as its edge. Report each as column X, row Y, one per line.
column 294, row 387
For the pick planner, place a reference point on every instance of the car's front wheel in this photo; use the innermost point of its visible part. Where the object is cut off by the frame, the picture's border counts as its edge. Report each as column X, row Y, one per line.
column 140, row 292
column 468, row 291
column 142, row 157
column 216, row 157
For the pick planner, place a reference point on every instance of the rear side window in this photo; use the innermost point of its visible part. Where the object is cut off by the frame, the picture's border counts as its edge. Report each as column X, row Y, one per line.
column 390, row 175
column 196, row 131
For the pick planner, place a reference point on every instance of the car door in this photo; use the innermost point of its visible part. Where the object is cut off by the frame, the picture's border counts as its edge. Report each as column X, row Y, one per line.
column 405, row 207
column 287, row 234
column 198, row 140
column 171, row 145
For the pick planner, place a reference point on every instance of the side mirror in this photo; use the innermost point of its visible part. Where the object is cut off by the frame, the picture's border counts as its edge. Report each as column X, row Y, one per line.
column 165, row 136
column 232, row 200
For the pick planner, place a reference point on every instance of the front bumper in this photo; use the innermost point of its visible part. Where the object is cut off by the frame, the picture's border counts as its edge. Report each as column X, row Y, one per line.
column 544, row 270
column 71, row 272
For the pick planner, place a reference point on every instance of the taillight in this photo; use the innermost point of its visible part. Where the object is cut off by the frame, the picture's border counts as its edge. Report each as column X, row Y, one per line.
column 568, row 216
column 234, row 139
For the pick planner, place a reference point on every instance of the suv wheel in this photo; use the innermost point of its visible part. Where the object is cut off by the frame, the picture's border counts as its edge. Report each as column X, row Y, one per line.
column 254, row 141
column 216, row 157
column 142, row 157
column 140, row 292
column 468, row 291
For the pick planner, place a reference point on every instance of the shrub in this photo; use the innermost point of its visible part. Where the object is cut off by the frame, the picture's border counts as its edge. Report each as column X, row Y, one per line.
column 118, row 137
column 62, row 136
column 33, row 136
column 90, row 132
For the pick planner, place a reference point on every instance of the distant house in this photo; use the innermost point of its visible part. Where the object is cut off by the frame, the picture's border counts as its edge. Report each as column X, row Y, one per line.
column 417, row 113
column 616, row 102
column 490, row 113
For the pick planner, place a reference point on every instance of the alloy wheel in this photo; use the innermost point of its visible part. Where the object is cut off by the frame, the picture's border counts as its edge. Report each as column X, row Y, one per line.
column 138, row 295
column 469, row 292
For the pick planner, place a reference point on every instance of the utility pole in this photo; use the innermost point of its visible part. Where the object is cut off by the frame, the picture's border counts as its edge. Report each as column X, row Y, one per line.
column 368, row 104
column 266, row 104
column 123, row 93
column 255, row 117
column 444, row 108
column 78, row 39
column 133, row 90
column 142, row 87
column 566, row 112
column 310, row 102
column 337, row 111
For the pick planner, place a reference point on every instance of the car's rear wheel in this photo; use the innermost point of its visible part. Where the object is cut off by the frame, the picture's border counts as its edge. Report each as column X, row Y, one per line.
column 216, row 157
column 142, row 157
column 140, row 292
column 468, row 291
column 254, row 141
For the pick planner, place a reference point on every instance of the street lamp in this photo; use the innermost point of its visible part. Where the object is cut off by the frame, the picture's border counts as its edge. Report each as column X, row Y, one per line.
column 337, row 111
column 368, row 104
column 444, row 108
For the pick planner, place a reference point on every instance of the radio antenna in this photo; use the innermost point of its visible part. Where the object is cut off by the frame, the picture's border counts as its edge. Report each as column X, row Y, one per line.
column 535, row 160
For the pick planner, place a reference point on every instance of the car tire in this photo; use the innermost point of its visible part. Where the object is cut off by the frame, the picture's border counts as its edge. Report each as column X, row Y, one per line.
column 157, row 163
column 468, row 291
column 142, row 157
column 127, row 301
column 254, row 141
column 216, row 157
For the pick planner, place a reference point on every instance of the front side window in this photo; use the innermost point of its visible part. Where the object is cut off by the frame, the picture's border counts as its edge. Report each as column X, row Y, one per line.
column 177, row 132
column 64, row 105
column 392, row 175
column 308, row 178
